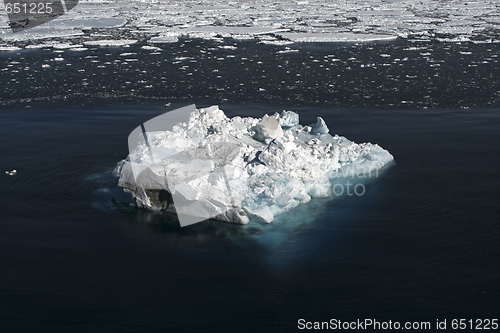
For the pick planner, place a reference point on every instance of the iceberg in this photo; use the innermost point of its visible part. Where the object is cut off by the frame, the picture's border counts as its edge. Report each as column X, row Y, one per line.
column 201, row 164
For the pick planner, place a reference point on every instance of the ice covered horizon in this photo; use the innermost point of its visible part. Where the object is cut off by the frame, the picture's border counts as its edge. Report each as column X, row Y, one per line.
column 277, row 22
column 240, row 169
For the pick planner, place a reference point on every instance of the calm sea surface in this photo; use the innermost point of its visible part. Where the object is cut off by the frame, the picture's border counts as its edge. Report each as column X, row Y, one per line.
column 422, row 244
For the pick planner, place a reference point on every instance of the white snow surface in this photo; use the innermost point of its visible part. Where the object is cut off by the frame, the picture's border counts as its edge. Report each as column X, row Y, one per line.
column 305, row 21
column 257, row 167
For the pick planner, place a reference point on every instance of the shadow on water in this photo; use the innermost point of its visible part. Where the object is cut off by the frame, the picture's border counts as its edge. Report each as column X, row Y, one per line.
column 297, row 233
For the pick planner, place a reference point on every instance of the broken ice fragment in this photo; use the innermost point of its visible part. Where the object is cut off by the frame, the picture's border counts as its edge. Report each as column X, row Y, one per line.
column 319, row 127
column 268, row 128
column 288, row 118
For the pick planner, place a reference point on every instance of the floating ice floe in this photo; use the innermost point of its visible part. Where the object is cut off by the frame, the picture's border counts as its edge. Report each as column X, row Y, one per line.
column 164, row 39
column 110, row 42
column 206, row 165
column 228, row 31
column 9, row 48
column 151, row 48
column 63, row 46
column 334, row 37
column 242, row 19
column 41, row 32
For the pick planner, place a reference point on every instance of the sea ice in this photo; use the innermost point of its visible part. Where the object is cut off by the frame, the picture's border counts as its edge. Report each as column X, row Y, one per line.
column 163, row 39
column 302, row 21
column 9, row 48
column 334, row 37
column 268, row 129
column 110, row 42
column 201, row 164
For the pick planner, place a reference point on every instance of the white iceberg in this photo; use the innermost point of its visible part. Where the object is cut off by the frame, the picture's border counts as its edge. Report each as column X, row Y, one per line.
column 238, row 169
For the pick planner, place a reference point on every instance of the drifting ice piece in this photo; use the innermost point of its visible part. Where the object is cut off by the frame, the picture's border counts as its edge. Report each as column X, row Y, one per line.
column 201, row 164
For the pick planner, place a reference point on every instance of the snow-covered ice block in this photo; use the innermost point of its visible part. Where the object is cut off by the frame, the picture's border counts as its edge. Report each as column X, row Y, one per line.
column 268, row 128
column 287, row 118
column 319, row 127
column 201, row 164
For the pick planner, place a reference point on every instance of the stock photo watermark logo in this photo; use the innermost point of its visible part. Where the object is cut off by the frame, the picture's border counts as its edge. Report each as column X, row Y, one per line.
column 29, row 14
column 350, row 180
column 160, row 170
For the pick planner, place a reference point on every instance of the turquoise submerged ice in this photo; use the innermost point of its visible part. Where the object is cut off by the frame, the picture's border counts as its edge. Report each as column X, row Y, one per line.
column 263, row 166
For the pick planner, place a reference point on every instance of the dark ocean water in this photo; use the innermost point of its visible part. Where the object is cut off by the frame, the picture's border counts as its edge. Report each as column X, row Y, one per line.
column 390, row 75
column 421, row 244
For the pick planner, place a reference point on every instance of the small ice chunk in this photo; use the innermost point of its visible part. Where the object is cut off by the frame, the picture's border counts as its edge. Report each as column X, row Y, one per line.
column 236, row 215
column 163, row 39
column 319, row 127
column 267, row 129
column 214, row 111
column 260, row 214
column 151, row 48
column 288, row 119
